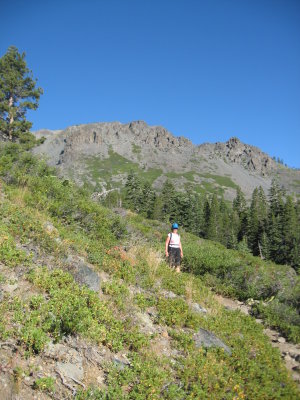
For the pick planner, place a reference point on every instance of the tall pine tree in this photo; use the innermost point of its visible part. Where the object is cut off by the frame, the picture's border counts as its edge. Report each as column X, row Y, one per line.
column 18, row 94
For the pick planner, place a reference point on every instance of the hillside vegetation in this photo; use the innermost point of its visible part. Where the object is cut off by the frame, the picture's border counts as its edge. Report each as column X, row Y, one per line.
column 137, row 337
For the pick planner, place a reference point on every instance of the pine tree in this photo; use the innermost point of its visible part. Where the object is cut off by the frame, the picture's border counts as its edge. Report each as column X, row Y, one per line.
column 18, row 93
column 275, row 222
column 225, row 224
column 213, row 225
column 240, row 207
column 157, row 208
column 169, row 204
column 253, row 223
column 290, row 234
column 147, row 200
column 133, row 193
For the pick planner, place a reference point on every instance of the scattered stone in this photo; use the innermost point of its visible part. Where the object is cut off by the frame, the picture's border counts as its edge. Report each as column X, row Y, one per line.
column 168, row 294
column 69, row 370
column 208, row 339
column 244, row 309
column 152, row 312
column 50, row 228
column 281, row 340
column 83, row 273
column 145, row 323
column 9, row 288
column 121, row 362
column 165, row 334
column 61, row 352
column 198, row 309
column 94, row 356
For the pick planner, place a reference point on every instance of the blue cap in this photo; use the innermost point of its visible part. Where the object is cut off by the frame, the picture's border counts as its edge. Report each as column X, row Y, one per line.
column 175, row 226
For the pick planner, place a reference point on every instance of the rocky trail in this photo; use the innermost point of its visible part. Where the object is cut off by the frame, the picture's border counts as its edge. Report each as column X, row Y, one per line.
column 290, row 352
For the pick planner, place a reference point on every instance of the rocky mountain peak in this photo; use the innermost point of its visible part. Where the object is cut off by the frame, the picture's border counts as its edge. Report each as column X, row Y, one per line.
column 86, row 151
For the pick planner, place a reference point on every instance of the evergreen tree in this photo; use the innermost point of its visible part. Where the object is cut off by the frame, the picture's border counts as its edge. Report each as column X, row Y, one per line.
column 169, row 204
column 240, row 207
column 253, row 223
column 275, row 222
column 133, row 193
column 265, row 246
column 213, row 224
column 147, row 200
column 225, row 224
column 18, row 93
column 157, row 208
column 290, row 235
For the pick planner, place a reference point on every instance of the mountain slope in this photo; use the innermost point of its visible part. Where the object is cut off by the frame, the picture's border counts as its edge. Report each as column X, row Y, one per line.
column 139, row 331
column 105, row 152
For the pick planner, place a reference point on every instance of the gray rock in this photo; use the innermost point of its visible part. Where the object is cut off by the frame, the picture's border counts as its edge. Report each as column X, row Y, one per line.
column 198, row 309
column 83, row 273
column 71, row 370
column 204, row 338
column 121, row 362
column 9, row 288
column 281, row 340
column 168, row 294
column 145, row 323
column 49, row 227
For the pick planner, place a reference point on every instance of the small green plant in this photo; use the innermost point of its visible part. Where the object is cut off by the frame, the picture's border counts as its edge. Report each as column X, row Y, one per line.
column 175, row 312
column 144, row 301
column 45, row 384
column 9, row 254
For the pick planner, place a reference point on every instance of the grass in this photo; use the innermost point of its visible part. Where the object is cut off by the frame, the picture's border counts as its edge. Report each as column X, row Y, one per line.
column 115, row 164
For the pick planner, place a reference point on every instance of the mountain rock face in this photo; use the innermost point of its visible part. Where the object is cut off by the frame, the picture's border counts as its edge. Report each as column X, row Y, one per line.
column 103, row 154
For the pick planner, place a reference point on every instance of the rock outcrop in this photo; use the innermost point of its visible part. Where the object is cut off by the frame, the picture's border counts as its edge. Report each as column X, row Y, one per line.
column 82, row 153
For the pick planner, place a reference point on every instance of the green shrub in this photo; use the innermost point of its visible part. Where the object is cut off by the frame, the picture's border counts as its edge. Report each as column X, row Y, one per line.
column 9, row 254
column 280, row 316
column 175, row 312
column 44, row 384
column 144, row 301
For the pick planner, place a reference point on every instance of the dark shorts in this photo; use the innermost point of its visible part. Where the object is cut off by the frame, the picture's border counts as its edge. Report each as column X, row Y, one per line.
column 174, row 256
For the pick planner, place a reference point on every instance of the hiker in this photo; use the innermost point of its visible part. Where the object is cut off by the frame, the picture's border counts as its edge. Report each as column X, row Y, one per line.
column 173, row 248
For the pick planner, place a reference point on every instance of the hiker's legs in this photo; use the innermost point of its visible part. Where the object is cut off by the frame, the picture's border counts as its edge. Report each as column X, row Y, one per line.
column 172, row 258
column 177, row 260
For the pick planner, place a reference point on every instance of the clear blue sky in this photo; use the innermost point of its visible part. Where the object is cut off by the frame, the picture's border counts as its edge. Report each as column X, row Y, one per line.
column 207, row 70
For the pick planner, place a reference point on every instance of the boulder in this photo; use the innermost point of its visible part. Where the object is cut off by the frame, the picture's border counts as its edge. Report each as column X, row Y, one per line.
column 83, row 273
column 204, row 338
column 198, row 309
column 168, row 294
column 70, row 370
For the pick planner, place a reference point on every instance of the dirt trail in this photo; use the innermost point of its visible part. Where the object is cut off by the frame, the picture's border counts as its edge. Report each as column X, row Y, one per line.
column 290, row 352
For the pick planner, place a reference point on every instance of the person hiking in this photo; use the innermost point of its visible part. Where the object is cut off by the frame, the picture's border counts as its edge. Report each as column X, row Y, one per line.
column 173, row 248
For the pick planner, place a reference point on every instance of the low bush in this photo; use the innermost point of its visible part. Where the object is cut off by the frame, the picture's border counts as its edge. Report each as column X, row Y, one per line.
column 279, row 316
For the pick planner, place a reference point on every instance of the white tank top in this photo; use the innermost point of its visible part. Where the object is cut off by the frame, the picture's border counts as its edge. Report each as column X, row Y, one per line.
column 175, row 240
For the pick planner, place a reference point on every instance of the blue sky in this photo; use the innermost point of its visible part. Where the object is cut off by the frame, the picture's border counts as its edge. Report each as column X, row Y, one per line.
column 207, row 70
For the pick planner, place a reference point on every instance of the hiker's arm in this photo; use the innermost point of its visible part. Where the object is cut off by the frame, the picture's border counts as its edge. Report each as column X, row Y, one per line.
column 181, row 252
column 167, row 244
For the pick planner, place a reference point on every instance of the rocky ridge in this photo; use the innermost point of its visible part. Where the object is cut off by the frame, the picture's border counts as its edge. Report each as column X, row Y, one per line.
column 79, row 151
